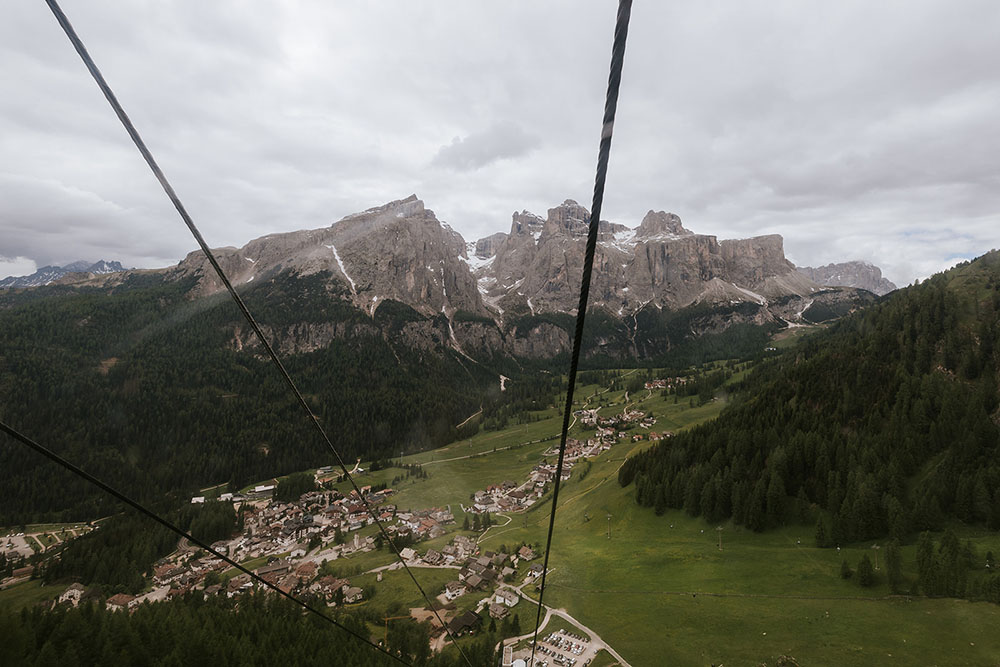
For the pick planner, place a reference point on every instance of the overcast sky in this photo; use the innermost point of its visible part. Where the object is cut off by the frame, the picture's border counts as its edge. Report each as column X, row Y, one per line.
column 856, row 130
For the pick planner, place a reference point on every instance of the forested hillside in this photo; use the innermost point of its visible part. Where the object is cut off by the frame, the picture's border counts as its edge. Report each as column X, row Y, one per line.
column 260, row 630
column 888, row 422
column 155, row 392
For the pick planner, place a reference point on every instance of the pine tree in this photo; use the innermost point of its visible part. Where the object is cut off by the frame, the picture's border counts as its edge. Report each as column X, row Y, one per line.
column 894, row 565
column 866, row 573
column 822, row 541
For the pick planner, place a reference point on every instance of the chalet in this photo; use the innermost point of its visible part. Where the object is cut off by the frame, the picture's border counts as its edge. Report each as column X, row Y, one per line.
column 499, row 610
column 535, row 571
column 454, row 589
column 212, row 591
column 526, row 553
column 72, row 594
column 238, row 584
column 119, row 602
column 306, row 571
column 353, row 594
column 276, row 568
column 474, row 581
column 288, row 583
column 443, row 516
column 467, row 623
column 433, row 557
column 506, row 597
column 407, row 553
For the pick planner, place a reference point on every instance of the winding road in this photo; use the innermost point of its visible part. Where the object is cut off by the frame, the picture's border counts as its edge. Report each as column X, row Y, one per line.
column 595, row 639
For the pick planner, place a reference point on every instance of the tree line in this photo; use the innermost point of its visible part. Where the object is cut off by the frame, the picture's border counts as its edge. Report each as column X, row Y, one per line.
column 882, row 426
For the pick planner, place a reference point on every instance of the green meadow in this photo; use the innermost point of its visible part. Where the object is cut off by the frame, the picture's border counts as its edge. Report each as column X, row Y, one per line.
column 660, row 590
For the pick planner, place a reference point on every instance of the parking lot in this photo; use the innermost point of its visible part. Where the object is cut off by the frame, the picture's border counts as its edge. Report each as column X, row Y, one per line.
column 564, row 649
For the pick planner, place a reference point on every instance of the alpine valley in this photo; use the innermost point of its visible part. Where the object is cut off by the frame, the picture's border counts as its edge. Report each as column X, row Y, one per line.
column 394, row 327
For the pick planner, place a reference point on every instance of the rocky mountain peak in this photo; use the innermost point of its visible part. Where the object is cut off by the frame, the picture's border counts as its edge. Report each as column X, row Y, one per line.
column 860, row 274
column 486, row 247
column 398, row 251
column 526, row 223
column 568, row 217
column 661, row 223
column 51, row 274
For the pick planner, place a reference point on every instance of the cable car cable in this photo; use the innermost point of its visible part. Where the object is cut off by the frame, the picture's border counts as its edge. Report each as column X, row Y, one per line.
column 610, row 107
column 48, row 453
column 182, row 211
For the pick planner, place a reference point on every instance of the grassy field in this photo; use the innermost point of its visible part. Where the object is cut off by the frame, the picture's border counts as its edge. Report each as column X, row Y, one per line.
column 396, row 590
column 603, row 659
column 661, row 592
column 27, row 594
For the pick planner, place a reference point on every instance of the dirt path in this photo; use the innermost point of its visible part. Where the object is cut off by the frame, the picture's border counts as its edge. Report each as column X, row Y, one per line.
column 483, row 535
column 474, row 414
column 492, row 451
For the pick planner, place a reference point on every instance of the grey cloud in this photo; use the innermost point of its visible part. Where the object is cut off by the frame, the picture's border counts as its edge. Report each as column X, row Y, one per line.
column 479, row 149
column 849, row 128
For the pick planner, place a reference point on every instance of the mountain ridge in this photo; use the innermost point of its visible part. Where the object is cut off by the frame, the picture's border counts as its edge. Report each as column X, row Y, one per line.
column 49, row 274
column 855, row 273
column 491, row 292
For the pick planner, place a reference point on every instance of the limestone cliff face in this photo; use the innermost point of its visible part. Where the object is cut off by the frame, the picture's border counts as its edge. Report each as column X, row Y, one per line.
column 850, row 274
column 396, row 251
column 486, row 247
column 537, row 268
column 488, row 298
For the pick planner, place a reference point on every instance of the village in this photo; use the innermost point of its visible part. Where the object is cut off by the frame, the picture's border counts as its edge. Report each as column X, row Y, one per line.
column 508, row 496
column 296, row 545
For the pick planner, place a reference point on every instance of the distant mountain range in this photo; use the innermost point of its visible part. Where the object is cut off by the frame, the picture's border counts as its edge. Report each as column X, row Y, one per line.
column 510, row 293
column 395, row 328
column 50, row 274
column 850, row 274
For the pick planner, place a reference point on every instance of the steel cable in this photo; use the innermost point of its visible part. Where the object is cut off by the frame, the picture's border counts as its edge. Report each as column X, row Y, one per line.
column 607, row 129
column 175, row 200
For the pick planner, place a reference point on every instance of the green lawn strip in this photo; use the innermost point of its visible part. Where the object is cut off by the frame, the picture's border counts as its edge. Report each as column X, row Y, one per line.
column 604, row 659
column 557, row 623
column 251, row 564
column 27, row 594
column 644, row 577
column 396, row 592
column 485, row 442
